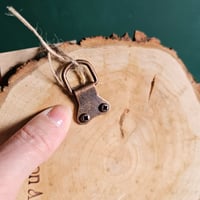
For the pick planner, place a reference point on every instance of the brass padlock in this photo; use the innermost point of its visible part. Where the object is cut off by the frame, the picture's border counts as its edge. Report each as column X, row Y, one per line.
column 89, row 103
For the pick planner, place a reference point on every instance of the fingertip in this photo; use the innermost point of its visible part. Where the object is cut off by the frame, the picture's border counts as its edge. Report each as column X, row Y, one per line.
column 59, row 115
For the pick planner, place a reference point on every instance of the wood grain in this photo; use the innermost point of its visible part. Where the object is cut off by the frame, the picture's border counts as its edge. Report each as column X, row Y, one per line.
column 146, row 147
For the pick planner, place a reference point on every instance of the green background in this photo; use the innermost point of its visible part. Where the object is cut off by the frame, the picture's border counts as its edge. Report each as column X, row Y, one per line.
column 175, row 22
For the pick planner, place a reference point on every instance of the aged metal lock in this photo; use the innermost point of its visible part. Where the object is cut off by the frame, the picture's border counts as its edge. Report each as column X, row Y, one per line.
column 89, row 103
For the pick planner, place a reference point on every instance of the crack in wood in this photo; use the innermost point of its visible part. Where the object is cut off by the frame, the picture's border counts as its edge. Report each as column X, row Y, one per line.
column 121, row 121
column 152, row 86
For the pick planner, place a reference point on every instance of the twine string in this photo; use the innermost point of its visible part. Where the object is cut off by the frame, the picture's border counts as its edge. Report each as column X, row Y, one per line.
column 61, row 56
column 43, row 43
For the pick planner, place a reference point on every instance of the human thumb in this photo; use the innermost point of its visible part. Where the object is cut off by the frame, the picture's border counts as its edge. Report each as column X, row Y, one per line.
column 31, row 146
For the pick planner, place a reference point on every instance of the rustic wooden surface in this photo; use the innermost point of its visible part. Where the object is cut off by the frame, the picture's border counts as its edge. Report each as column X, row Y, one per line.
column 146, row 147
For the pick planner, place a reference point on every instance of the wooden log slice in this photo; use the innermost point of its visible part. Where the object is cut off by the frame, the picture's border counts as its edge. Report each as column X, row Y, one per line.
column 146, row 147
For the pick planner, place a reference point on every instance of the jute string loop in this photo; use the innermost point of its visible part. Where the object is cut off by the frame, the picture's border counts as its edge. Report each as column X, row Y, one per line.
column 61, row 56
